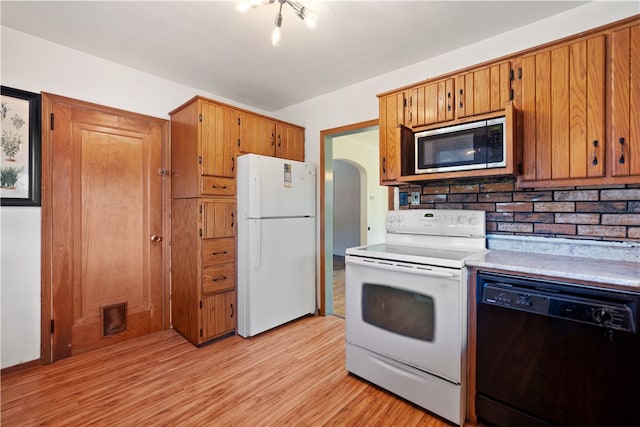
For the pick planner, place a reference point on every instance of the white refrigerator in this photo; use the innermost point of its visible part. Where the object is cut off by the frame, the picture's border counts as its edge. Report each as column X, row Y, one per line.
column 276, row 242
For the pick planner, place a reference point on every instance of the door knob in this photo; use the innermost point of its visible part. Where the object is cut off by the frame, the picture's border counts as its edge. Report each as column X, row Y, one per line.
column 156, row 238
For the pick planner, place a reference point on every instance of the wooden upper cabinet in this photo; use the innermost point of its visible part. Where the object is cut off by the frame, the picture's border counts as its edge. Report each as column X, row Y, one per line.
column 430, row 103
column 392, row 109
column 483, row 90
column 219, row 133
column 563, row 112
column 289, row 142
column 203, row 149
column 257, row 135
column 625, row 102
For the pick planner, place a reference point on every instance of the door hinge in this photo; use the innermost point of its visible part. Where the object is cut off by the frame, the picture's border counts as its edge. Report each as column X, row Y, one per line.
column 520, row 168
column 200, row 209
column 200, row 333
column 200, row 160
column 519, row 72
column 165, row 172
column 238, row 121
column 199, row 117
column 52, row 326
column 200, row 232
column 511, row 95
column 238, row 142
column 200, row 305
column 511, row 75
column 51, row 121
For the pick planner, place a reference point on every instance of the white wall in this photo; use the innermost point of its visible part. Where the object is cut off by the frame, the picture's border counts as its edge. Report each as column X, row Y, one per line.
column 347, row 194
column 33, row 64
column 367, row 156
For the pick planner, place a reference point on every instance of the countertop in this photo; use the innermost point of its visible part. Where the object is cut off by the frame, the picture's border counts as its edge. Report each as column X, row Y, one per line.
column 608, row 273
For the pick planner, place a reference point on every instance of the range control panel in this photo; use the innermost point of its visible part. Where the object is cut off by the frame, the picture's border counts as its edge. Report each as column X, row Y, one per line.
column 606, row 314
column 444, row 222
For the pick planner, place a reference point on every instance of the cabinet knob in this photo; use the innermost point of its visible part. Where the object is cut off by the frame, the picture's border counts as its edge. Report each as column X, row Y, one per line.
column 156, row 238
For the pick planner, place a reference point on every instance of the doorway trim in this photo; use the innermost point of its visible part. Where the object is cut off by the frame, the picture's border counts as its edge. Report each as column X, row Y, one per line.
column 326, row 171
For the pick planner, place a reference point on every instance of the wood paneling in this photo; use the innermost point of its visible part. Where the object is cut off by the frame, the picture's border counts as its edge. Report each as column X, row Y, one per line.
column 292, row 375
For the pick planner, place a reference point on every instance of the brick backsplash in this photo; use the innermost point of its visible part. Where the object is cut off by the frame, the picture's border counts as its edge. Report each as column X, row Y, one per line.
column 600, row 213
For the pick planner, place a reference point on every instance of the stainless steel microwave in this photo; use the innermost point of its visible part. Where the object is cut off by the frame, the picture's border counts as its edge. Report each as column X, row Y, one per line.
column 476, row 145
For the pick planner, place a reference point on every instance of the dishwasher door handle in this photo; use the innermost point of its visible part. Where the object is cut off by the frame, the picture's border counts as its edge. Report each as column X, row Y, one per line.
column 405, row 268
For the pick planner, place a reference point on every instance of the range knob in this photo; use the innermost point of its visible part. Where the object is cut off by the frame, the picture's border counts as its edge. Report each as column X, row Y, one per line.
column 601, row 316
column 524, row 299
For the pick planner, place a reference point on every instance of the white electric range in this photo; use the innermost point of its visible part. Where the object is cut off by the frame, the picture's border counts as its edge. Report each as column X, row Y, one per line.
column 406, row 307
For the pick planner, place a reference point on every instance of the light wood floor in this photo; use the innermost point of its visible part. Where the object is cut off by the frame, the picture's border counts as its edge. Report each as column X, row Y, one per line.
column 291, row 376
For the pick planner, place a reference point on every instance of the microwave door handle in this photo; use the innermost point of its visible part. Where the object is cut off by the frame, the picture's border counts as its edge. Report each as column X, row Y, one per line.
column 422, row 271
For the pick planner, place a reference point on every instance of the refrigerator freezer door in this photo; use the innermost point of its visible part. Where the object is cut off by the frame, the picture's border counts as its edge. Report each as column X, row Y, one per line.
column 270, row 187
column 276, row 272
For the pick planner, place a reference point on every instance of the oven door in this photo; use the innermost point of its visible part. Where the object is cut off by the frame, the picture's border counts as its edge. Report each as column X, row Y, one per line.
column 409, row 313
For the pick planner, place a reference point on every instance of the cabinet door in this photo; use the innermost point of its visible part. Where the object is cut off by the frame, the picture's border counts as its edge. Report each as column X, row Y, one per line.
column 218, row 219
column 289, row 142
column 625, row 102
column 219, row 133
column 563, row 112
column 257, row 135
column 218, row 314
column 483, row 90
column 391, row 115
column 431, row 103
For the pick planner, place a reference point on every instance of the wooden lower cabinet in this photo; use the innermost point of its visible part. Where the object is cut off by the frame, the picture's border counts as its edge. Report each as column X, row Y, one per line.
column 218, row 314
column 203, row 268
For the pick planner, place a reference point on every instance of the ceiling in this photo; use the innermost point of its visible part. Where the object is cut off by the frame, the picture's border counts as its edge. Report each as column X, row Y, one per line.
column 209, row 46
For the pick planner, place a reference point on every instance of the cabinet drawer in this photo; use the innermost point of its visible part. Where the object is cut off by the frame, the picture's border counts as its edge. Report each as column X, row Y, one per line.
column 218, row 251
column 218, row 278
column 217, row 186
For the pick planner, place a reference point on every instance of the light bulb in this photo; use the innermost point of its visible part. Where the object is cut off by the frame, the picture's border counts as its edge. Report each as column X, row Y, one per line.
column 310, row 18
column 275, row 36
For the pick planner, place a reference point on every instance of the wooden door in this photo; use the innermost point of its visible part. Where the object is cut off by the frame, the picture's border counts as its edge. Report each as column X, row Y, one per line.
column 431, row 103
column 563, row 110
column 483, row 90
column 219, row 135
column 257, row 135
column 103, row 222
column 290, row 142
column 625, row 102
column 391, row 116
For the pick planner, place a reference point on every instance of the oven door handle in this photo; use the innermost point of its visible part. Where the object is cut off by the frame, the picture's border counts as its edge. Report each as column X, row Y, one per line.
column 403, row 268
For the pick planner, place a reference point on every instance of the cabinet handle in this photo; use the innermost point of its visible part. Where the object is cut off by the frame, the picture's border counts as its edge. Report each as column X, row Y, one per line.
column 384, row 165
column 217, row 279
column 595, row 154
column 621, row 159
column 448, row 101
column 231, row 306
column 219, row 253
column 273, row 139
column 219, row 187
column 461, row 104
column 232, row 219
column 233, row 164
column 279, row 141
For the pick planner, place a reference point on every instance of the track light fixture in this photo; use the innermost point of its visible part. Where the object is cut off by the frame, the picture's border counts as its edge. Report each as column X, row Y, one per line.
column 303, row 13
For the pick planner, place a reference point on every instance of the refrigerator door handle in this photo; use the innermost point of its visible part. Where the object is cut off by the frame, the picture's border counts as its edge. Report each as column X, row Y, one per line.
column 256, row 200
column 256, row 247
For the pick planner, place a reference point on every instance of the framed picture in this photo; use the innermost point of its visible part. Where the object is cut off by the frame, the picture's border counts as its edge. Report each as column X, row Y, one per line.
column 20, row 148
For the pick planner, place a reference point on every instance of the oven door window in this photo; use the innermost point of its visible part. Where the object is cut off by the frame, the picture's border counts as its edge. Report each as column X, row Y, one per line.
column 399, row 311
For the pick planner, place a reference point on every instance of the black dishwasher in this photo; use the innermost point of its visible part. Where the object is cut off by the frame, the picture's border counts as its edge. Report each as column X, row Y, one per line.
column 556, row 354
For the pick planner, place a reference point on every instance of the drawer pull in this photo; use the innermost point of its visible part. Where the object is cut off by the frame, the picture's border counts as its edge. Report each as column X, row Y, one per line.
column 219, row 253
column 219, row 187
column 217, row 279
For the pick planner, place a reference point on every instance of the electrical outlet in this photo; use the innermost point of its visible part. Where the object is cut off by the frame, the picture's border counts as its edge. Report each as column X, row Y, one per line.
column 415, row 198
